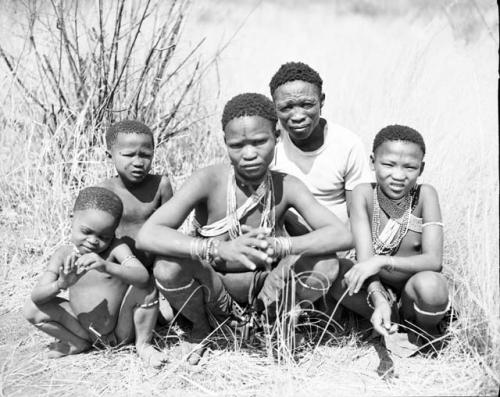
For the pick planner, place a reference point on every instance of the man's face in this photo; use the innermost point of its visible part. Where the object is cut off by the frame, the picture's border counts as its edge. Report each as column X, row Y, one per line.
column 298, row 106
column 250, row 142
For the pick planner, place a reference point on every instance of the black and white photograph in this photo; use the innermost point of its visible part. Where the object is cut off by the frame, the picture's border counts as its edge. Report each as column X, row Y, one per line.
column 249, row 198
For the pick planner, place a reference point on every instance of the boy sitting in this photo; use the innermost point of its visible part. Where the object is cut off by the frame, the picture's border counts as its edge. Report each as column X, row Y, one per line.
column 398, row 236
column 238, row 216
column 97, row 268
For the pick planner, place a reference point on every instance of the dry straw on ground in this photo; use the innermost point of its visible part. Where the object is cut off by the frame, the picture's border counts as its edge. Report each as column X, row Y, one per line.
column 434, row 69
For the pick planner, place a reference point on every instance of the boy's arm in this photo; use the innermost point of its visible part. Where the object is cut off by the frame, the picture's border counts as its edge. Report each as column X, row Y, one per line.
column 121, row 264
column 50, row 283
column 166, row 191
column 329, row 233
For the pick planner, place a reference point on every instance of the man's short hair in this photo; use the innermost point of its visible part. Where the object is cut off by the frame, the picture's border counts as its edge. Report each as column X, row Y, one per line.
column 249, row 104
column 398, row 133
column 126, row 127
column 99, row 198
column 292, row 71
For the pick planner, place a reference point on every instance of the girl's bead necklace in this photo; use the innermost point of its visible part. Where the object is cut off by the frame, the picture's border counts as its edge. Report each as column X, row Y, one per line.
column 398, row 212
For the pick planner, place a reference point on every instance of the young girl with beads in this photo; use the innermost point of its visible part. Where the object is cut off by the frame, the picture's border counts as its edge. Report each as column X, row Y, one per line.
column 398, row 234
column 238, row 245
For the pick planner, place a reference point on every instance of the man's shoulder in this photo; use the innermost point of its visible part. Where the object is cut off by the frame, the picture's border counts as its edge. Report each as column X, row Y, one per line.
column 341, row 134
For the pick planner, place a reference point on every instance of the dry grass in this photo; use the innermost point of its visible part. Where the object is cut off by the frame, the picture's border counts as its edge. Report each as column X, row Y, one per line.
column 428, row 69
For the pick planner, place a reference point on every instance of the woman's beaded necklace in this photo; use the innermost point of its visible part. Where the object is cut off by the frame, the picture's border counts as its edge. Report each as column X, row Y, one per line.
column 264, row 193
column 399, row 212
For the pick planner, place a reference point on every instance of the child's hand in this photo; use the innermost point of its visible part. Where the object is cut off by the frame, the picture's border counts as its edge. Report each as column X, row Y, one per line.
column 381, row 319
column 68, row 272
column 91, row 261
column 358, row 274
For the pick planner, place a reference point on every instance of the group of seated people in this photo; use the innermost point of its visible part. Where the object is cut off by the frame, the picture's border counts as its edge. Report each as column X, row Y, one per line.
column 295, row 210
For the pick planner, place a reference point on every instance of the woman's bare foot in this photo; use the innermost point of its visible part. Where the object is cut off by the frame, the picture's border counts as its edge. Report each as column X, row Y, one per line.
column 151, row 356
column 60, row 349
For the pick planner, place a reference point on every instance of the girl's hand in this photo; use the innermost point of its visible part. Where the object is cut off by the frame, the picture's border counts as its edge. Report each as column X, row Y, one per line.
column 381, row 318
column 68, row 274
column 358, row 274
column 91, row 261
column 249, row 249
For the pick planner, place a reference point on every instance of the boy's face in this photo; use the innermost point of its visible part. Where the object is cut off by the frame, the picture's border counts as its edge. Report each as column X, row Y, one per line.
column 298, row 106
column 250, row 142
column 93, row 230
column 132, row 156
column 397, row 165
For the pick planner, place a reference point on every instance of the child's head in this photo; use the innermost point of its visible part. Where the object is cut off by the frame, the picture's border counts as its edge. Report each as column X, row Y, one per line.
column 130, row 145
column 297, row 91
column 96, row 215
column 249, row 124
column 397, row 159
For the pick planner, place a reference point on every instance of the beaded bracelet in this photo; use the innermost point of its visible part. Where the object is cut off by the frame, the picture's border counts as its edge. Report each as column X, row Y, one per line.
column 282, row 246
column 384, row 294
column 205, row 250
column 128, row 258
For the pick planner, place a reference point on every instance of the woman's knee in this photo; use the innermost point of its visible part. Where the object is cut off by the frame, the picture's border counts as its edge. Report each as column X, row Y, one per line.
column 428, row 290
column 166, row 270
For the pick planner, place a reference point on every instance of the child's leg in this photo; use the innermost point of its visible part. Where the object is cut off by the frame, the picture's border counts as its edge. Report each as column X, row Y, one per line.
column 138, row 315
column 425, row 300
column 175, row 280
column 57, row 319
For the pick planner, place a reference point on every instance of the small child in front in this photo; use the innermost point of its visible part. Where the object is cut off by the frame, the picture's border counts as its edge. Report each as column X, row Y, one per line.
column 97, row 269
column 398, row 234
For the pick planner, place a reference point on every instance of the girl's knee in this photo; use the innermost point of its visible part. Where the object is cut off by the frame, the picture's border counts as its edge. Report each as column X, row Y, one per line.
column 428, row 290
column 329, row 268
